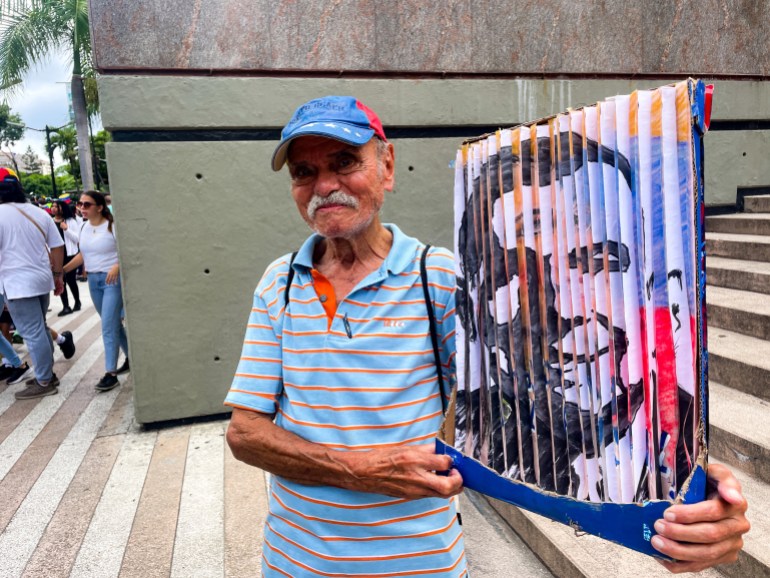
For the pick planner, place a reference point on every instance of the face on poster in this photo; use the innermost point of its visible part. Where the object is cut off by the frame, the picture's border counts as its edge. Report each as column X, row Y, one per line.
column 576, row 299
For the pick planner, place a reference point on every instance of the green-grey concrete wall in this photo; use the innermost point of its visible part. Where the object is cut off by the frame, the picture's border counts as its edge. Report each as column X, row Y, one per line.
column 176, row 103
column 200, row 221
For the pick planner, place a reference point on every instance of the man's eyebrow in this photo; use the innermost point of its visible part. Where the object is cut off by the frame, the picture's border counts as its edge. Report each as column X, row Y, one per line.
column 348, row 149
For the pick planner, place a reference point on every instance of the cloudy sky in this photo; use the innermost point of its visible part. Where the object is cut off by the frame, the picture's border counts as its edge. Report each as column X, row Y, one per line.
column 42, row 100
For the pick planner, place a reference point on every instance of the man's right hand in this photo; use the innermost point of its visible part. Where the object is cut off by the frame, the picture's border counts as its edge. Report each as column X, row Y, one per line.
column 404, row 472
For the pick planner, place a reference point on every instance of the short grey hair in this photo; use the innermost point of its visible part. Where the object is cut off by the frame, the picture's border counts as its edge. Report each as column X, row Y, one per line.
column 381, row 150
column 382, row 147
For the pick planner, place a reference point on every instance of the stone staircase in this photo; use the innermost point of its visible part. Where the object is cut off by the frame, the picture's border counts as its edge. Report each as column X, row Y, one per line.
column 738, row 302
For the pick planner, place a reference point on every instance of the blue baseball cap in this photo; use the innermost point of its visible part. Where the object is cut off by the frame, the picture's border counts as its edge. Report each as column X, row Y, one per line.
column 342, row 118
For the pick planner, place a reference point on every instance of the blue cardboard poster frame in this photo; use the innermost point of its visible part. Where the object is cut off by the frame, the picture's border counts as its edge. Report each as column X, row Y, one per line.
column 631, row 525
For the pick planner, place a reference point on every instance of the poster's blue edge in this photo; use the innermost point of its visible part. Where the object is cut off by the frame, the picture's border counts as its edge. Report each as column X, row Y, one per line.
column 699, row 123
column 631, row 525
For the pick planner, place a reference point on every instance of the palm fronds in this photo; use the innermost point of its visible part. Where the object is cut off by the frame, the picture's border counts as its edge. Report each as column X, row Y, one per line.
column 29, row 32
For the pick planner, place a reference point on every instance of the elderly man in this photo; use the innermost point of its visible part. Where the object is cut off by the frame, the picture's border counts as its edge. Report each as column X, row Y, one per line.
column 337, row 390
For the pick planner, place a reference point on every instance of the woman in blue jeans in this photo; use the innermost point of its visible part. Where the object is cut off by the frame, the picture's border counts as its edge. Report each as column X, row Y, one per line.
column 99, row 254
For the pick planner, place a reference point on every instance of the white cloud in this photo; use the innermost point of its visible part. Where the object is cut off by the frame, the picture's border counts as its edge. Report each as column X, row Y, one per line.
column 42, row 100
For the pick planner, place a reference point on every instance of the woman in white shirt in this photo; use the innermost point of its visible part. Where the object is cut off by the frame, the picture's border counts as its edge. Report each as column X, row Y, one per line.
column 99, row 253
column 66, row 223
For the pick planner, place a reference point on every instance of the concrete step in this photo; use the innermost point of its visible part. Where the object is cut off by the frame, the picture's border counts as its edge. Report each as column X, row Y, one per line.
column 743, row 443
column 739, row 311
column 736, row 274
column 741, row 223
column 740, row 362
column 744, row 247
column 568, row 554
column 756, row 204
column 754, row 559
column 486, row 535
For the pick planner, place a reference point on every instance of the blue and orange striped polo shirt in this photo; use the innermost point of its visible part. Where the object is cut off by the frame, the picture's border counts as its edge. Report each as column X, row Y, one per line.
column 366, row 380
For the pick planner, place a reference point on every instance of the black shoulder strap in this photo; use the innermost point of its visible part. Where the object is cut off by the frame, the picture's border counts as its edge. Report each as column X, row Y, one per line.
column 432, row 322
column 289, row 279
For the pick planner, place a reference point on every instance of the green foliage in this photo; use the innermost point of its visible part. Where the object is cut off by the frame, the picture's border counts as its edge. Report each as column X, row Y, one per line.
column 33, row 29
column 100, row 139
column 92, row 95
column 11, row 126
column 66, row 140
column 31, row 161
column 100, row 155
column 65, row 183
column 37, row 185
column 30, row 30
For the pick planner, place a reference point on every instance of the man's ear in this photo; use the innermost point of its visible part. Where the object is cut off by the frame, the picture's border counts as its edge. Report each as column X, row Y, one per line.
column 389, row 167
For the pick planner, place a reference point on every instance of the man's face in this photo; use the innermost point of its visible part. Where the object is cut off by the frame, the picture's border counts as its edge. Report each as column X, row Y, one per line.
column 339, row 188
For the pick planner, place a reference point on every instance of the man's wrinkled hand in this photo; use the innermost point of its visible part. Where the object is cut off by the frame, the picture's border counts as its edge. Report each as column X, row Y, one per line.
column 410, row 472
column 706, row 534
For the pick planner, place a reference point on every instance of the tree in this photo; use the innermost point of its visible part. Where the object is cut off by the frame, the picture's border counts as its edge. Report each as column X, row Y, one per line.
column 11, row 130
column 11, row 126
column 100, row 156
column 29, row 31
column 65, row 139
column 36, row 185
column 65, row 182
column 31, row 162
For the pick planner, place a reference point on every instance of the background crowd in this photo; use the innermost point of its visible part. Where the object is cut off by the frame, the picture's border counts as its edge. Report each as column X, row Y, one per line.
column 49, row 246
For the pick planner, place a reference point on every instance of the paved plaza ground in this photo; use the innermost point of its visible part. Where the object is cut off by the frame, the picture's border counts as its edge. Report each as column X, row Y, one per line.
column 86, row 491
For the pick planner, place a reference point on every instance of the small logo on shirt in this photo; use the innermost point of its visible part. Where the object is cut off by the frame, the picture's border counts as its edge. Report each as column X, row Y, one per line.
column 393, row 323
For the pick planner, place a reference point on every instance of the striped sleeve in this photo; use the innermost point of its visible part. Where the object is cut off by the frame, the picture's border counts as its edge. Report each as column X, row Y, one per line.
column 258, row 380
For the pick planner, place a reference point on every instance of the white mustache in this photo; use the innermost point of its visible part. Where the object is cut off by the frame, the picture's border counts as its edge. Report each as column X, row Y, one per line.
column 334, row 198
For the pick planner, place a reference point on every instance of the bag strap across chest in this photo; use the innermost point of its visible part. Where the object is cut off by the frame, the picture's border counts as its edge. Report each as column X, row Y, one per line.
column 39, row 228
column 433, row 330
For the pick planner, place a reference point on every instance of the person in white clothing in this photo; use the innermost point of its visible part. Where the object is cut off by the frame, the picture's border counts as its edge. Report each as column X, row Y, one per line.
column 65, row 220
column 31, row 267
column 99, row 253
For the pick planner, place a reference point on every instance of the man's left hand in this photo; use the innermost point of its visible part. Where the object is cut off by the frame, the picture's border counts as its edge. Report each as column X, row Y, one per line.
column 706, row 534
column 58, row 285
